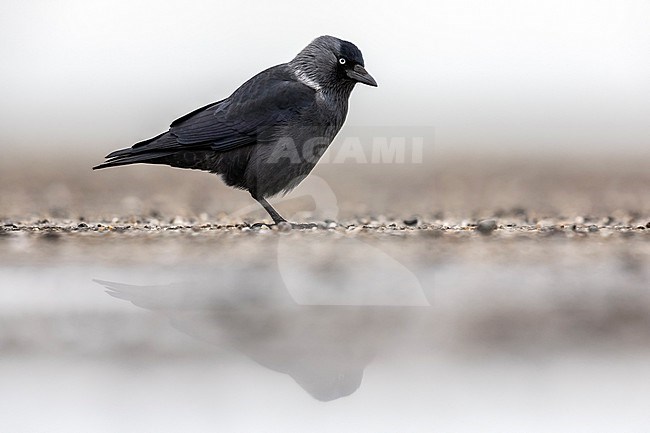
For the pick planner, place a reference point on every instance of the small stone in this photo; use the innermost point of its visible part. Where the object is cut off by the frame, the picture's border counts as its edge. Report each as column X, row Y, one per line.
column 486, row 226
column 647, row 225
column 284, row 226
column 411, row 221
column 593, row 228
column 552, row 231
column 82, row 225
column 305, row 226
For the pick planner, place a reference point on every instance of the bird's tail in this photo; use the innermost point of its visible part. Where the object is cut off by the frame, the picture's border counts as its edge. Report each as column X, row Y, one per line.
column 151, row 151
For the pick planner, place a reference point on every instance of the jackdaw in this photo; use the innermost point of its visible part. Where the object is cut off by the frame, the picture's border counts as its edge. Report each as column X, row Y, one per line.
column 270, row 133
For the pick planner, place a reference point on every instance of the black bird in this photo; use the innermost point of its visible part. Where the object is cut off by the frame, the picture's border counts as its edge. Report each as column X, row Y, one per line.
column 270, row 133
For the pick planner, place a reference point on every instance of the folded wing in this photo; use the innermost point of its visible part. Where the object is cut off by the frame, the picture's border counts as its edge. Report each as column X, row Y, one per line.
column 270, row 99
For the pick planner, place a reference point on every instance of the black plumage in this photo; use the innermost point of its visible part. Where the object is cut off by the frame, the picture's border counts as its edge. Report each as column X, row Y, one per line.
column 270, row 133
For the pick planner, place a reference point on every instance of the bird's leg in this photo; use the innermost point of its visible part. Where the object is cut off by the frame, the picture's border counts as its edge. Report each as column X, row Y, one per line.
column 277, row 218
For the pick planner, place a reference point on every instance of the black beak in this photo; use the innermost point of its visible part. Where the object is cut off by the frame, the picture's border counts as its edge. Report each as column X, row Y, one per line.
column 360, row 74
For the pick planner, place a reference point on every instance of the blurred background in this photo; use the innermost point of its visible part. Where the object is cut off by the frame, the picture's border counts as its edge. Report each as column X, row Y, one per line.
column 143, row 298
column 498, row 76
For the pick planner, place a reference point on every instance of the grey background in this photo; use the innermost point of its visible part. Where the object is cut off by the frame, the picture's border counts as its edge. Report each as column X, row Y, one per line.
column 490, row 77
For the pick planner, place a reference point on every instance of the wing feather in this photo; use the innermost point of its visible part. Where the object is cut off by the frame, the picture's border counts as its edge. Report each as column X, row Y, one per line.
column 269, row 99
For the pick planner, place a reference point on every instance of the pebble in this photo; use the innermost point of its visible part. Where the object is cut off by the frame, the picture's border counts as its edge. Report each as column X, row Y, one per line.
column 593, row 228
column 411, row 221
column 486, row 226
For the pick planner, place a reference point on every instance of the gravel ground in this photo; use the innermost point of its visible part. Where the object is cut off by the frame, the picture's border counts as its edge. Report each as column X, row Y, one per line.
column 463, row 207
column 504, row 227
column 506, row 237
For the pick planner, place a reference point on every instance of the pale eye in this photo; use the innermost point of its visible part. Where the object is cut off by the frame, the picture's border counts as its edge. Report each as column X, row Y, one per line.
column 342, row 61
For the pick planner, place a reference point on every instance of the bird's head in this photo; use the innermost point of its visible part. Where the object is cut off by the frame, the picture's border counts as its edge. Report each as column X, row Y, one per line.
column 331, row 63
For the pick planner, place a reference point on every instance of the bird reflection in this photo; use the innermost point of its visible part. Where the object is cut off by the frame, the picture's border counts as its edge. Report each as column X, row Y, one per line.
column 320, row 321
column 324, row 348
